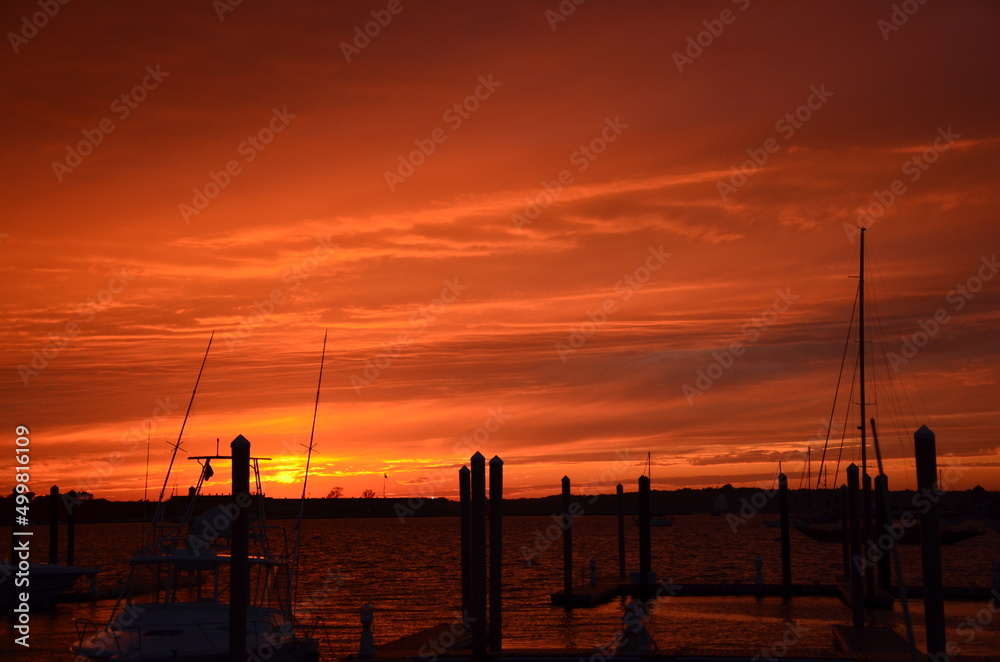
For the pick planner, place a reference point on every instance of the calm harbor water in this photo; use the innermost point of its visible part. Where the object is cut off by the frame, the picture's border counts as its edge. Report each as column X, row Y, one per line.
column 409, row 572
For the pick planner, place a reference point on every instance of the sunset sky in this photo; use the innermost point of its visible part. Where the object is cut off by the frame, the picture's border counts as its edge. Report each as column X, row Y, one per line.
column 530, row 233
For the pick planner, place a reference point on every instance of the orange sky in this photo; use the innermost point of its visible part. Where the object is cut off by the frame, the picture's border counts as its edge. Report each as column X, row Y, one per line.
column 319, row 212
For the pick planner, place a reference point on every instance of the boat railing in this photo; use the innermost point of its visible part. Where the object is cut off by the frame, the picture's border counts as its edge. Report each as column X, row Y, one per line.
column 102, row 636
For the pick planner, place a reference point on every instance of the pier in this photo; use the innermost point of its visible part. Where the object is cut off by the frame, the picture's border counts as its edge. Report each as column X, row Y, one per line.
column 859, row 638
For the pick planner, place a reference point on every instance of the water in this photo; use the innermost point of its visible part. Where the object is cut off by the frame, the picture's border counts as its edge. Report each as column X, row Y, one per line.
column 409, row 572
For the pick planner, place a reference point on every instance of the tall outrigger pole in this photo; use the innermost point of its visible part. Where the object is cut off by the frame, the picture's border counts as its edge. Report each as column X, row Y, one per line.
column 305, row 478
column 173, row 456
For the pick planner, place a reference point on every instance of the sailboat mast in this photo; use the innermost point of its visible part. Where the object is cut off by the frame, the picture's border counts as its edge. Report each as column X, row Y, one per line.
column 861, row 349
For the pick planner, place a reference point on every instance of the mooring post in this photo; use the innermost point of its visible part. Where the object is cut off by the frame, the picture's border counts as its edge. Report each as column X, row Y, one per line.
column 645, row 552
column 465, row 539
column 930, row 541
column 845, row 527
column 567, row 525
column 239, row 565
column 71, row 530
column 854, row 535
column 496, row 554
column 479, row 590
column 881, row 519
column 622, row 570
column 867, row 532
column 366, row 650
column 54, row 524
column 786, row 538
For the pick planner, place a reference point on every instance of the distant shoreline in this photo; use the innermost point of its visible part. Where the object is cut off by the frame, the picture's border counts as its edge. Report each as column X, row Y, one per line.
column 743, row 502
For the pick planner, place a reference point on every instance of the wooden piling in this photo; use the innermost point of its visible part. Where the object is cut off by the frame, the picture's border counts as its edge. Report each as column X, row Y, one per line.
column 465, row 539
column 54, row 524
column 845, row 526
column 881, row 519
column 622, row 569
column 70, row 532
column 478, row 530
column 567, row 525
column 645, row 552
column 854, row 537
column 239, row 568
column 930, row 542
column 867, row 531
column 786, row 538
column 496, row 555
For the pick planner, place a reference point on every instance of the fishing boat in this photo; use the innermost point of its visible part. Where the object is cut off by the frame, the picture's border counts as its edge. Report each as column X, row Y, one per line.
column 194, row 566
column 181, row 620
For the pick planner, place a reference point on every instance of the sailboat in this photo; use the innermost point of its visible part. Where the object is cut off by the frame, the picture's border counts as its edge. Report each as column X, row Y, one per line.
column 799, row 521
column 835, row 533
column 720, row 506
column 188, row 574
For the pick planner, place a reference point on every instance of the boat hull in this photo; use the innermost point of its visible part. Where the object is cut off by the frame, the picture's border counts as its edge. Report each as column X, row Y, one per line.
column 192, row 631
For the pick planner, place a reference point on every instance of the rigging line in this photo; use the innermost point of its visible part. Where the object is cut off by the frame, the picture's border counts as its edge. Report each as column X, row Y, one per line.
column 840, row 376
column 847, row 418
column 893, row 375
column 899, row 422
column 893, row 316
column 891, row 390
